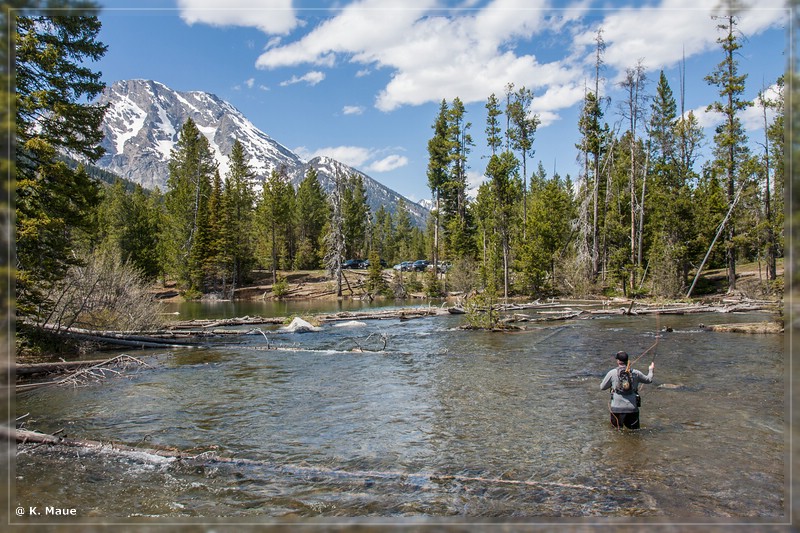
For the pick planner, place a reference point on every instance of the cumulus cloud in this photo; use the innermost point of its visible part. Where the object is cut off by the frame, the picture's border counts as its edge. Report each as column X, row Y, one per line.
column 269, row 16
column 387, row 164
column 311, row 78
column 432, row 54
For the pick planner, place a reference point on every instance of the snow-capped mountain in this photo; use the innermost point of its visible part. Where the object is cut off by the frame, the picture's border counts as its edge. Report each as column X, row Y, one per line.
column 144, row 119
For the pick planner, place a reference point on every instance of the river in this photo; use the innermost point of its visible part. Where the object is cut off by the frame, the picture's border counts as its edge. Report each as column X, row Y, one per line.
column 441, row 423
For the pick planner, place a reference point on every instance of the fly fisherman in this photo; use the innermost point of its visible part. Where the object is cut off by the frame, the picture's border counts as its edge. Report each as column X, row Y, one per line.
column 624, row 384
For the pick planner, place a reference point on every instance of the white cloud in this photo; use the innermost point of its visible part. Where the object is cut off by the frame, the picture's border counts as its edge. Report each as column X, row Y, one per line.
column 311, row 78
column 269, row 16
column 358, row 157
column 352, row 110
column 250, row 83
column 752, row 117
column 660, row 35
column 387, row 164
column 355, row 156
column 432, row 55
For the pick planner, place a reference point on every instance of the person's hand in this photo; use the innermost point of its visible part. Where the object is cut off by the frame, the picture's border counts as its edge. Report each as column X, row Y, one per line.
column 652, row 365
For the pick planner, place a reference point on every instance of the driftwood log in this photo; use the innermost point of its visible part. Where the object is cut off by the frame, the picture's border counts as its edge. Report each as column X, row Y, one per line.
column 419, row 480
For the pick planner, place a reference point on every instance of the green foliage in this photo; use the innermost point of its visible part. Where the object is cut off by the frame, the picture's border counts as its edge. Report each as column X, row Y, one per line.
column 281, row 287
column 186, row 231
column 54, row 202
column 275, row 222
column 375, row 284
column 480, row 311
column 355, row 217
column 311, row 214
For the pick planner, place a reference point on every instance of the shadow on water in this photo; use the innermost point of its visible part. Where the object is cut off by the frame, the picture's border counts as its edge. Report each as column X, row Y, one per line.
column 441, row 422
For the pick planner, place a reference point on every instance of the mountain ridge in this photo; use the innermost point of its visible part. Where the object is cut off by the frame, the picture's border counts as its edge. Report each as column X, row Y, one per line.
column 144, row 119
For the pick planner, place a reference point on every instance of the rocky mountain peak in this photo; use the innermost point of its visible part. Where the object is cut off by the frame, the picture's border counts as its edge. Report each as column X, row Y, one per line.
column 144, row 119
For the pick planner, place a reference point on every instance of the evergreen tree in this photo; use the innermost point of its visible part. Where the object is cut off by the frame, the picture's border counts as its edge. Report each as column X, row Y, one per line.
column 493, row 130
column 238, row 205
column 593, row 146
column 454, row 214
column 730, row 141
column 185, row 231
column 405, row 234
column 275, row 212
column 54, row 202
column 356, row 217
column 438, row 167
column 503, row 174
column 548, row 231
column 311, row 215
column 523, row 128
column 669, row 197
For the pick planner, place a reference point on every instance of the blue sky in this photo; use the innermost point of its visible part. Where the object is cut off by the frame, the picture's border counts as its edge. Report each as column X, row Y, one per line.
column 362, row 81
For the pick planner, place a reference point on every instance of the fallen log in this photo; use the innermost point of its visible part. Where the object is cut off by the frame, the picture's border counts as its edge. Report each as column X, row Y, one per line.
column 32, row 369
column 94, row 372
column 420, row 480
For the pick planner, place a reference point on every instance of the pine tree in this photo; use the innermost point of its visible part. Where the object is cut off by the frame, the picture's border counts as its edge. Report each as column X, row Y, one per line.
column 729, row 140
column 185, row 231
column 503, row 174
column 493, row 139
column 593, row 146
column 311, row 215
column 356, row 217
column 275, row 212
column 238, row 205
column 54, row 202
column 523, row 129
column 438, row 167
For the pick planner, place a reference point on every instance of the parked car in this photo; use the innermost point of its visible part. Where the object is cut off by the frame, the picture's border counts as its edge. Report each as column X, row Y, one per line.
column 367, row 264
column 353, row 263
column 444, row 266
column 405, row 266
column 420, row 265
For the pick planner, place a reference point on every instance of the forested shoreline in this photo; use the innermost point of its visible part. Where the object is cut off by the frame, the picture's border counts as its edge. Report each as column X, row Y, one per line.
column 643, row 218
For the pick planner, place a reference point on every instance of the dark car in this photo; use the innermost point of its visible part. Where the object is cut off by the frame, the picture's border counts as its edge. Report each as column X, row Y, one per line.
column 367, row 263
column 353, row 263
column 420, row 265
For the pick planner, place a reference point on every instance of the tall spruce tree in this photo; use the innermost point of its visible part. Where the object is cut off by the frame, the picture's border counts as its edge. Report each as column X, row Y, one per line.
column 730, row 141
column 356, row 217
column 311, row 216
column 438, row 165
column 238, row 206
column 523, row 129
column 275, row 213
column 54, row 202
column 185, row 231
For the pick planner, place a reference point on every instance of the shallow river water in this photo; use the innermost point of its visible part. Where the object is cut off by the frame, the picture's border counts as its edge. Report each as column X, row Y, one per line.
column 440, row 423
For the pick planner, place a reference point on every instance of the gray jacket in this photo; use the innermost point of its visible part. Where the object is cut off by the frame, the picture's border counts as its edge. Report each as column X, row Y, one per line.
column 624, row 403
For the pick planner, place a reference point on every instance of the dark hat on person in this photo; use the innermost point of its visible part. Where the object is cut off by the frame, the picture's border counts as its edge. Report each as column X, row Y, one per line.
column 622, row 356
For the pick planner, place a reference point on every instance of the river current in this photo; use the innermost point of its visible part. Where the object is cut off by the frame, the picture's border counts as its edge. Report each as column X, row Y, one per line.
column 417, row 418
